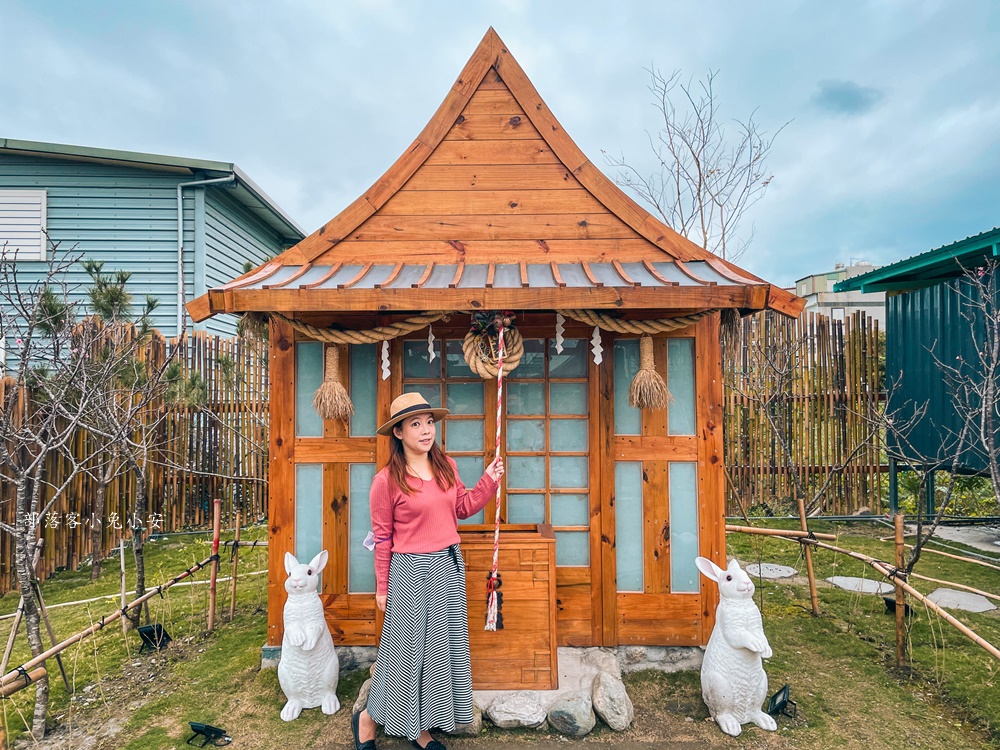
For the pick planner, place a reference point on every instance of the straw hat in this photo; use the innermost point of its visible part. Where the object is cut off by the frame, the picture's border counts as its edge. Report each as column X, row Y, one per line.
column 403, row 406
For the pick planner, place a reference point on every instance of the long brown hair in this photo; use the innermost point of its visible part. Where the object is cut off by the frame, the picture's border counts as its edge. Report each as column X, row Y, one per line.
column 441, row 469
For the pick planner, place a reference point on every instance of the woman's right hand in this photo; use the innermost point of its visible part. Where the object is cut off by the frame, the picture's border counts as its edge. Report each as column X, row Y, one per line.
column 380, row 601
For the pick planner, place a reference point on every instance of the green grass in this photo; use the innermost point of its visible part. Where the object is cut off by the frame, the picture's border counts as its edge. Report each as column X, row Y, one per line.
column 840, row 665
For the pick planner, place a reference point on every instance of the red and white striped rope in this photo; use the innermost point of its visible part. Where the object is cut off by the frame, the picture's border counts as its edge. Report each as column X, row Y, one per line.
column 491, row 607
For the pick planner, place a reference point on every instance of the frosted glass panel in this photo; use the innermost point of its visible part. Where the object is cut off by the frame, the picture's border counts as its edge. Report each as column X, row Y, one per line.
column 455, row 364
column 464, row 435
column 568, row 435
column 532, row 364
column 628, row 525
column 364, row 379
column 680, row 383
column 361, row 562
column 568, row 398
column 525, row 472
column 572, row 363
column 525, row 398
column 465, row 398
column 308, row 511
column 430, row 391
column 525, row 435
column 570, row 510
column 572, row 548
column 308, row 377
column 416, row 362
column 470, row 469
column 628, row 420
column 569, row 472
column 683, row 527
column 525, row 508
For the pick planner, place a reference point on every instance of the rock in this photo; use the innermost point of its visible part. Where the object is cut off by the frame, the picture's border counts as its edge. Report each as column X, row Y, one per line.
column 864, row 510
column 862, row 585
column 964, row 600
column 362, row 701
column 770, row 571
column 356, row 657
column 611, row 702
column 519, row 708
column 572, row 714
column 473, row 729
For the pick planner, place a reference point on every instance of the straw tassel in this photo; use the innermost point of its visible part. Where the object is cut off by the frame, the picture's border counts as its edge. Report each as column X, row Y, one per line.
column 648, row 391
column 332, row 400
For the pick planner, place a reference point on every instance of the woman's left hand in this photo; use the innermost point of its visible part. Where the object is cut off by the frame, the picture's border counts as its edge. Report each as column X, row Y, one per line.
column 495, row 469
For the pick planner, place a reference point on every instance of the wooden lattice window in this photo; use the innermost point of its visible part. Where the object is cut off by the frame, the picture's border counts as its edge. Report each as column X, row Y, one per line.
column 547, row 445
column 448, row 381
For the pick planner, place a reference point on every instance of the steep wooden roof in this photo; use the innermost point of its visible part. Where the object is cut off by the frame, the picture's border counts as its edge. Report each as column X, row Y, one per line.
column 494, row 205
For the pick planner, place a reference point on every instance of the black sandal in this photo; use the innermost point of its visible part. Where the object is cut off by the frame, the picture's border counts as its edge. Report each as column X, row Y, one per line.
column 355, row 727
column 432, row 745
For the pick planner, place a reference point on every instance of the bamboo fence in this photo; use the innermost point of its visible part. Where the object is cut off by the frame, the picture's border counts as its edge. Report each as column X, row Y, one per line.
column 213, row 446
column 821, row 380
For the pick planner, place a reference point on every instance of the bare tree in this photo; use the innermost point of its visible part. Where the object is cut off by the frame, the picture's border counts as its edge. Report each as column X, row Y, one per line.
column 974, row 385
column 123, row 400
column 708, row 176
column 42, row 406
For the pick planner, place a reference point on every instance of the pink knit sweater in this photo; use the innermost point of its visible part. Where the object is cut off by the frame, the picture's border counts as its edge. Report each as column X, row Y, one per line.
column 425, row 521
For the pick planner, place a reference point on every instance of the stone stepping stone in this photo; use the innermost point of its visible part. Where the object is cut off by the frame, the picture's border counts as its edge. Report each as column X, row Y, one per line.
column 770, row 571
column 862, row 585
column 964, row 600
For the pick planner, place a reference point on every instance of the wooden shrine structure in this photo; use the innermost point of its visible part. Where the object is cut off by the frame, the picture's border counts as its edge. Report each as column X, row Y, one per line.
column 494, row 207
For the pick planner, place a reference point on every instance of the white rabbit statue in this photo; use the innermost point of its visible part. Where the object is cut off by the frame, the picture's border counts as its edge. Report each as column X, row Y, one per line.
column 309, row 670
column 733, row 682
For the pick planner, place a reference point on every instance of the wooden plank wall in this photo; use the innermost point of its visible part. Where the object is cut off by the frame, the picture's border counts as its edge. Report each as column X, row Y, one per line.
column 834, row 378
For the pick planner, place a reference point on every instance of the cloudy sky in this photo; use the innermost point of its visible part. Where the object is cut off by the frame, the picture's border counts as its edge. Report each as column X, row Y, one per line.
column 892, row 142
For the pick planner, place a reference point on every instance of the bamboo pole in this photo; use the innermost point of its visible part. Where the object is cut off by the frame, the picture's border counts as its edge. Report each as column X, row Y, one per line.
column 32, row 677
column 121, row 564
column 216, row 530
column 956, row 557
column 52, row 633
column 13, row 676
column 900, row 595
column 236, row 565
column 813, row 596
column 780, row 532
column 877, row 565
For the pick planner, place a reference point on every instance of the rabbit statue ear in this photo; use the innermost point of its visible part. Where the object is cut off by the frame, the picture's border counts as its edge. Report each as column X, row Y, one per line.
column 290, row 562
column 708, row 568
column 319, row 562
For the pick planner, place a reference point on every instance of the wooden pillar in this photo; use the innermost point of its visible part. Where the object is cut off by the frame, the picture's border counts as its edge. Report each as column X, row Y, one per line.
column 281, row 480
column 711, row 481
column 900, row 596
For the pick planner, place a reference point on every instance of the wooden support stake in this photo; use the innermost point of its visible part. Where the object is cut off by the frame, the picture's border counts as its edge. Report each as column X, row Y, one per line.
column 12, row 677
column 52, row 633
column 121, row 564
column 19, row 614
column 900, row 596
column 814, row 597
column 236, row 564
column 216, row 530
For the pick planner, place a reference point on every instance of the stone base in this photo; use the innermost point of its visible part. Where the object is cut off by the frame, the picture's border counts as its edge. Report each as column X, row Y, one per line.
column 350, row 657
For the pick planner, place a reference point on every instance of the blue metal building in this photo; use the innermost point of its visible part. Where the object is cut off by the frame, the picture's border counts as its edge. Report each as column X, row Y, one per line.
column 933, row 321
column 181, row 226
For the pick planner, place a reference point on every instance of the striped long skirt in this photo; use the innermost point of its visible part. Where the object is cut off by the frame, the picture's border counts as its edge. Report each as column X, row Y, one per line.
column 423, row 678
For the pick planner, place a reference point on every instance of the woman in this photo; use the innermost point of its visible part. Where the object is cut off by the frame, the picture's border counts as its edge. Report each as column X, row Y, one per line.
column 422, row 678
